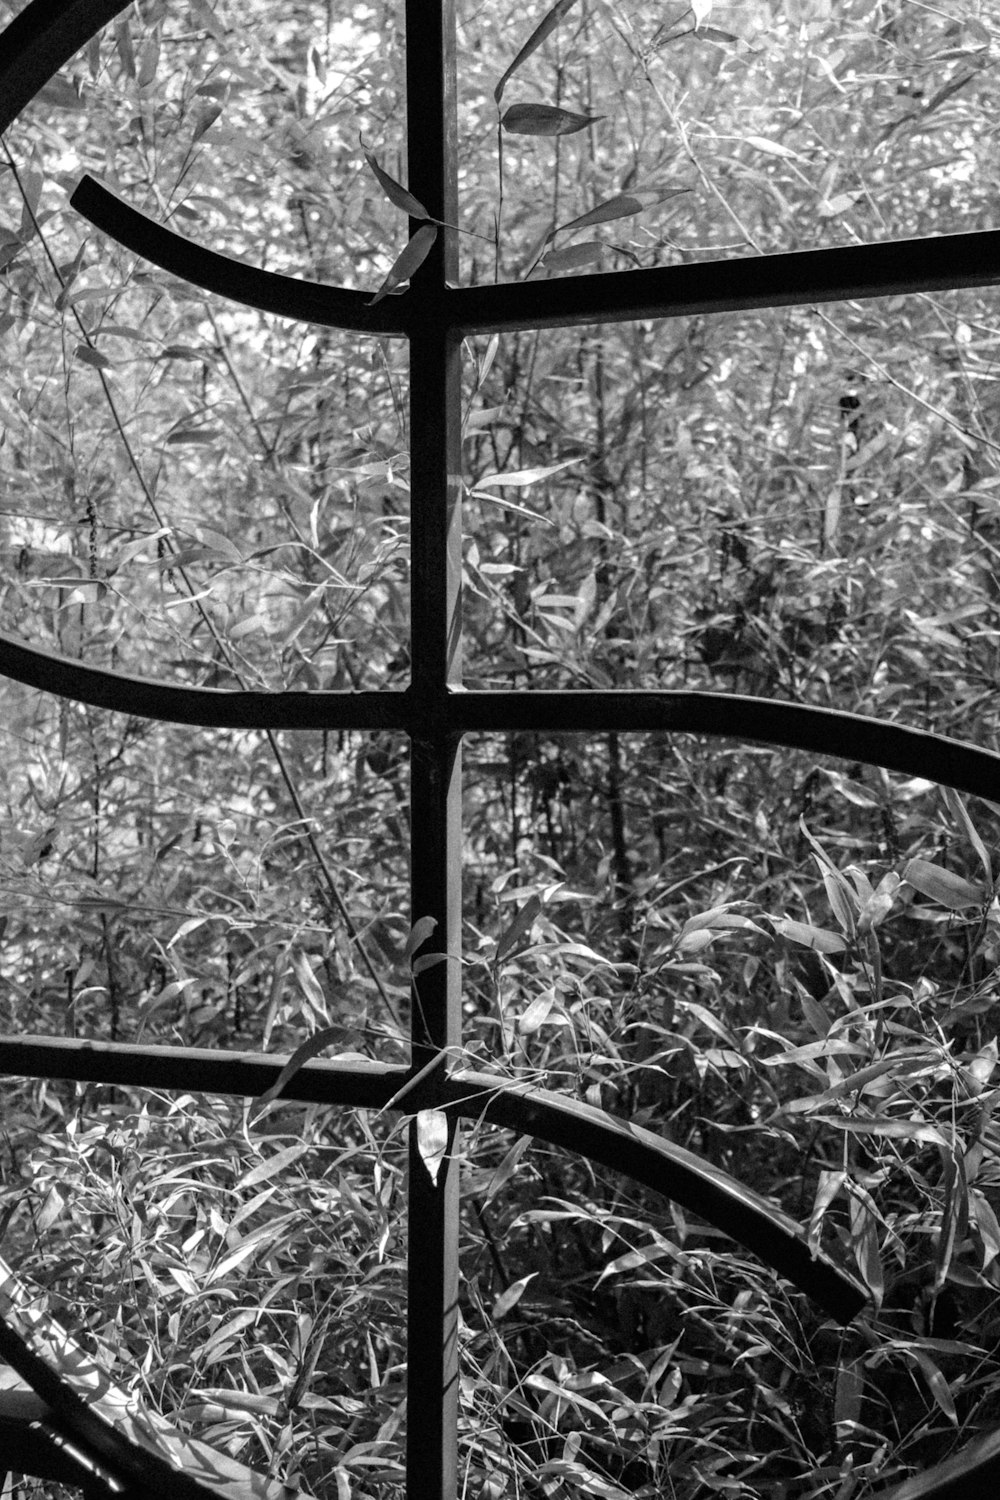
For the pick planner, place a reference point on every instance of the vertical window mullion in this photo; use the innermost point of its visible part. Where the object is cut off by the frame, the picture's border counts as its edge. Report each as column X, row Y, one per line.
column 435, row 759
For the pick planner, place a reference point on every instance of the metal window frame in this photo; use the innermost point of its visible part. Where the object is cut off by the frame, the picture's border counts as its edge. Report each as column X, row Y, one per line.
column 436, row 711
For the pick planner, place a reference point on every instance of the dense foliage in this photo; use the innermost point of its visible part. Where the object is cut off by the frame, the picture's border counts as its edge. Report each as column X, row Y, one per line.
column 786, row 963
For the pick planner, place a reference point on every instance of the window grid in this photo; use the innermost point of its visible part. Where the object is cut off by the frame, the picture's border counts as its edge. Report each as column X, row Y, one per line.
column 435, row 711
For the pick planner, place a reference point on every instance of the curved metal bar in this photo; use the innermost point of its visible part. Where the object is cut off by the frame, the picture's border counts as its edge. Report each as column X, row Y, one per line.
column 796, row 726
column 354, row 1083
column 825, row 731
column 47, row 33
column 139, row 1447
column 973, row 1471
column 212, row 708
column 787, row 279
column 40, row 40
column 659, row 1164
column 629, row 1149
column 285, row 296
column 29, row 1444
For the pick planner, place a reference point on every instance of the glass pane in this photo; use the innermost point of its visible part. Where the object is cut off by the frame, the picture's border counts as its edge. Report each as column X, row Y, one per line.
column 157, row 885
column 246, row 1284
column 192, row 490
column 770, row 125
column 798, row 505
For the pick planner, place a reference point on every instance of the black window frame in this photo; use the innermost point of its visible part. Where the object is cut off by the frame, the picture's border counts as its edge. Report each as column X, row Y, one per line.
column 434, row 316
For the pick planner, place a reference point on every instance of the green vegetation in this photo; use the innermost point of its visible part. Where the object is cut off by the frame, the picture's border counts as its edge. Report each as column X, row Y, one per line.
column 785, row 963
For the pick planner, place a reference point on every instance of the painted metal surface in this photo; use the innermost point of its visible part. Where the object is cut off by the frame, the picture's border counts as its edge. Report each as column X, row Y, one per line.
column 789, row 279
column 448, row 715
column 852, row 272
column 210, row 707
column 549, row 1117
column 268, row 291
column 434, row 315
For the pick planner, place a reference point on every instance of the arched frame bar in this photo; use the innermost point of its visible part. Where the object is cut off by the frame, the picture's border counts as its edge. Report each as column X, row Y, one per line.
column 434, row 316
column 781, row 280
column 795, row 726
column 522, row 1107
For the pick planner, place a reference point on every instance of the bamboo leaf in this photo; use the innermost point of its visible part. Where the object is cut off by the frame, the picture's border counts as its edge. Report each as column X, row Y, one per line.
column 943, row 886
column 517, row 510
column 413, row 1082
column 505, row 1171
column 61, row 93
column 622, row 206
column 960, row 812
column 818, row 938
column 519, row 928
column 954, row 1215
column 545, row 119
column 847, row 1398
column 148, row 63
column 255, row 1242
column 309, row 984
column 511, row 1297
column 536, row 1013
column 895, row 1130
column 810, row 1051
column 51, row 1210
column 635, row 1258
column 830, row 208
column 771, row 148
column 830, row 1184
column 857, row 1082
column 486, row 364
column 544, row 28
column 396, row 193
column 427, row 961
column 841, row 899
column 989, row 1228
column 980, row 1070
column 694, row 942
column 311, row 1047
column 867, row 1256
column 521, row 478
column 93, row 357
column 412, row 258
column 192, row 437
column 936, row 1383
column 432, row 1140
column 219, row 542
column 572, row 257
column 204, row 120
column 721, row 917
column 123, row 46
column 879, row 904
column 271, row 1166
column 419, row 933
column 814, row 1013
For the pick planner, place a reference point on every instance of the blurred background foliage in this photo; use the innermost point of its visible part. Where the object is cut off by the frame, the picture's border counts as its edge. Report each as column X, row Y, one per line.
column 784, row 962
